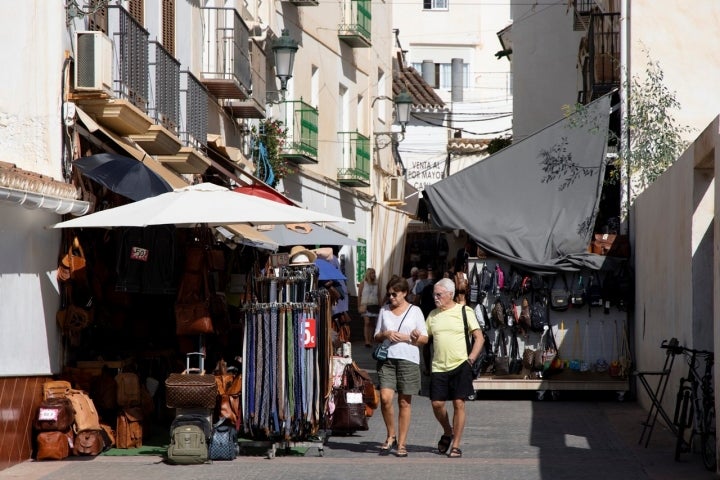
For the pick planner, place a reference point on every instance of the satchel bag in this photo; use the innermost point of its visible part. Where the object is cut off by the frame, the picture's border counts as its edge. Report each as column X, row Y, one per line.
column 192, row 388
column 349, row 413
column 88, row 442
column 559, row 297
column 380, row 352
column 72, row 265
column 223, row 442
column 53, row 445
column 229, row 388
column 577, row 297
column 193, row 318
column 54, row 414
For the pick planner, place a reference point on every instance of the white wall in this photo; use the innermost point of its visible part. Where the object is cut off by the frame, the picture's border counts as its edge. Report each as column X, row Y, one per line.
column 669, row 221
column 29, row 344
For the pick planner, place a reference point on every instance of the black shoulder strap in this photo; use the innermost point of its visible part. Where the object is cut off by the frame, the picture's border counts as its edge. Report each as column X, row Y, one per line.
column 467, row 329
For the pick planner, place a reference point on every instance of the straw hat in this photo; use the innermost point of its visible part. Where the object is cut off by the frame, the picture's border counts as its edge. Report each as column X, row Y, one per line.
column 299, row 255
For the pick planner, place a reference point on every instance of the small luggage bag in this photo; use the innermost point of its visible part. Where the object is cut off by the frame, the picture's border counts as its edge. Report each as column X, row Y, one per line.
column 192, row 388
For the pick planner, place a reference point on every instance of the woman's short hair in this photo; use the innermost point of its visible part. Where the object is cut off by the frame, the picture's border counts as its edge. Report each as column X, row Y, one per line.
column 398, row 284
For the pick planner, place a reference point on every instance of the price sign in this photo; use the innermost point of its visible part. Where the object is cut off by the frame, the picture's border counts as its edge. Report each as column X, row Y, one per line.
column 279, row 259
column 310, row 333
column 139, row 253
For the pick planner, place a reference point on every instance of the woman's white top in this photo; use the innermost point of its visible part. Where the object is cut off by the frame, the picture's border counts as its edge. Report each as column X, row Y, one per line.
column 389, row 321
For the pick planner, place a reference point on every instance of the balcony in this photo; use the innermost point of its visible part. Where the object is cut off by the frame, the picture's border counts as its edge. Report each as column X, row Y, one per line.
column 164, row 107
column 191, row 157
column 301, row 144
column 254, row 105
column 356, row 160
column 600, row 53
column 126, row 113
column 226, row 56
column 355, row 29
column 302, row 3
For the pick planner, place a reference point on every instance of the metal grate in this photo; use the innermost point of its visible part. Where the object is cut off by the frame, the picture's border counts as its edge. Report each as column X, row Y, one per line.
column 196, row 112
column 131, row 38
column 166, row 72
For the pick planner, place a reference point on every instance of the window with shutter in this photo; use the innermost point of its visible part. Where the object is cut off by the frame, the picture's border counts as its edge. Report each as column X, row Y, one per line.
column 168, row 26
column 97, row 20
column 136, row 9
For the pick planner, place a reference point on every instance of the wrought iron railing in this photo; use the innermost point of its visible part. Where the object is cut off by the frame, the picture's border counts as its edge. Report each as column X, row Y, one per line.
column 356, row 157
column 357, row 18
column 226, row 54
column 165, row 74
column 301, row 120
column 194, row 102
column 131, row 43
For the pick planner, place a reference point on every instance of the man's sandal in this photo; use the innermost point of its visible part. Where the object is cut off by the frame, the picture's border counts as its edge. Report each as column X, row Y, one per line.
column 444, row 443
column 455, row 453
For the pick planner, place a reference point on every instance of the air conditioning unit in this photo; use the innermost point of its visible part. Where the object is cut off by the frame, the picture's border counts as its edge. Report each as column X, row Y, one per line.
column 395, row 189
column 93, row 62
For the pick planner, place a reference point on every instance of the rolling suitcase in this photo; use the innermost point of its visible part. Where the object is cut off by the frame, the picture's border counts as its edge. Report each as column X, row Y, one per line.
column 192, row 388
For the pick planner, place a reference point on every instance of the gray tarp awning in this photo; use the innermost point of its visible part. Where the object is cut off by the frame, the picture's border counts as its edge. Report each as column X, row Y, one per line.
column 533, row 203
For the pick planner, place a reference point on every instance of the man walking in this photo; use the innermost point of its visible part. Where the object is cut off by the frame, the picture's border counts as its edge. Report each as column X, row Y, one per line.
column 451, row 377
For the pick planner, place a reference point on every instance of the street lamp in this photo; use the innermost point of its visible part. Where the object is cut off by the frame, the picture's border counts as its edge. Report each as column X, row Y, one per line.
column 403, row 101
column 284, row 48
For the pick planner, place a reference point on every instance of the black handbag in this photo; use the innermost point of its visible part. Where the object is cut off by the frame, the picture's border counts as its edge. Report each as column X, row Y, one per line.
column 469, row 340
column 560, row 297
column 516, row 364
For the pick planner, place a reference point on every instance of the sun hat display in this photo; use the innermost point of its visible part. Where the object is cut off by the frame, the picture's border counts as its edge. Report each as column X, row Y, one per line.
column 299, row 255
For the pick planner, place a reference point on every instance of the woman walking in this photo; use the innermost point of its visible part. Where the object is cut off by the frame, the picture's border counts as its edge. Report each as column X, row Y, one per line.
column 403, row 326
column 369, row 296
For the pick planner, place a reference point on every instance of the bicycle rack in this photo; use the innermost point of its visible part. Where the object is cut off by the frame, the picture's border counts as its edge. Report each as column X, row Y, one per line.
column 656, row 395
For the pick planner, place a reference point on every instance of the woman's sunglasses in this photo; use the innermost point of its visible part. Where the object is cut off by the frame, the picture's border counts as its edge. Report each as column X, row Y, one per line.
column 393, row 294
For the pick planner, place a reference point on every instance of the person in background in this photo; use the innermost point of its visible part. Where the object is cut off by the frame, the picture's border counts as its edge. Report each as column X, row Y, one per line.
column 411, row 283
column 422, row 277
column 451, row 377
column 403, row 325
column 369, row 298
column 462, row 255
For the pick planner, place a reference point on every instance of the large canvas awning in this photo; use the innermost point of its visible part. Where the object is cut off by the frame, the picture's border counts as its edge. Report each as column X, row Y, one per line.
column 533, row 203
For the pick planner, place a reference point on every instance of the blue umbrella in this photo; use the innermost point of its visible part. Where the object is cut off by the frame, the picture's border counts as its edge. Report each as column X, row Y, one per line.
column 328, row 271
column 123, row 175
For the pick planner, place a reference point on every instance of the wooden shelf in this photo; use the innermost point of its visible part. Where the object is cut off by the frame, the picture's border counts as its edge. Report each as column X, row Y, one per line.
column 560, row 381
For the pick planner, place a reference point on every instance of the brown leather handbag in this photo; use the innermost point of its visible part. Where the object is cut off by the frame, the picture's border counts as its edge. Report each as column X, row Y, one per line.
column 192, row 313
column 88, row 442
column 54, row 414
column 53, row 445
column 229, row 389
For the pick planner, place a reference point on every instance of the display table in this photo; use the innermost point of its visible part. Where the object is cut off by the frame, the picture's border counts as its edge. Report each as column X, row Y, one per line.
column 567, row 381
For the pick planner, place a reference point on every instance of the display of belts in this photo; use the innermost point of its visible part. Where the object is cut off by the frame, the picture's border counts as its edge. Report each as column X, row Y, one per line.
column 190, row 347
column 565, row 331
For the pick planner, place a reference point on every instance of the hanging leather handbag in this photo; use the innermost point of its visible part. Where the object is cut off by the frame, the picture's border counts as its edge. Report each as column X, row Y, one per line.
column 192, row 314
column 192, row 388
column 349, row 413
column 559, row 297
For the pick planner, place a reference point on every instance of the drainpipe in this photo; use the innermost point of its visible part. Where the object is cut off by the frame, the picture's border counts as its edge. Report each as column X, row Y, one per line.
column 625, row 75
column 33, row 200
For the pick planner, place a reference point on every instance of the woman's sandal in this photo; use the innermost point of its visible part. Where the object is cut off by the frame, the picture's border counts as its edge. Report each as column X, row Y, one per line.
column 444, row 443
column 401, row 451
column 388, row 445
column 455, row 453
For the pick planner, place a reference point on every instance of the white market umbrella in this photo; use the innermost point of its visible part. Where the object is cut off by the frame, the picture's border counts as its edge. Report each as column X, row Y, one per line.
column 204, row 203
column 305, row 234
